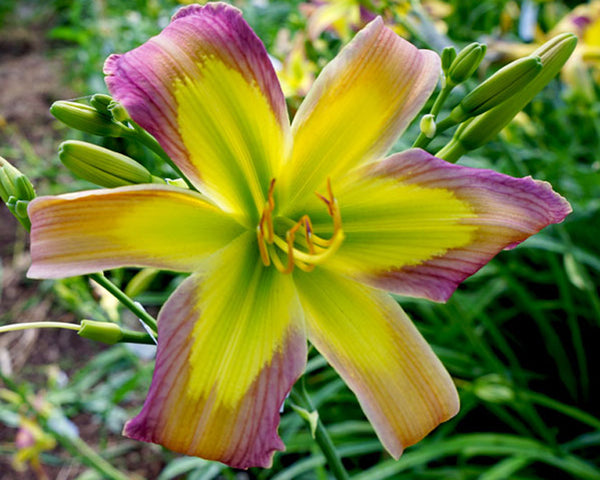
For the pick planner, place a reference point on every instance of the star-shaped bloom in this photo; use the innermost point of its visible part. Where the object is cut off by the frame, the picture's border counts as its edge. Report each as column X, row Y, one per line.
column 271, row 263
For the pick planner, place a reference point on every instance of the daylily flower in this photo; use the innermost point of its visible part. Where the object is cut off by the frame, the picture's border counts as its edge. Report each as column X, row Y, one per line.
column 339, row 16
column 31, row 441
column 270, row 262
column 297, row 72
column 343, row 17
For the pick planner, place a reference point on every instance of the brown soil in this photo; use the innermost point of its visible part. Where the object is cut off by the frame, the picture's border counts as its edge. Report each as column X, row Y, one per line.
column 30, row 81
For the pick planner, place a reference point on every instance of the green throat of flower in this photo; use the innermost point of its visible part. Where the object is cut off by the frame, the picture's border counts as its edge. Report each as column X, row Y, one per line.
column 298, row 246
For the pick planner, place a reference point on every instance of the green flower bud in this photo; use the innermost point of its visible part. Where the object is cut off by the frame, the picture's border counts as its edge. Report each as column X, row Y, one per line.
column 87, row 119
column 14, row 184
column 101, row 102
column 104, row 332
column 428, row 126
column 15, row 191
column 111, row 333
column 479, row 130
column 118, row 112
column 102, row 166
column 448, row 56
column 577, row 273
column 494, row 389
column 505, row 83
column 21, row 208
column 465, row 63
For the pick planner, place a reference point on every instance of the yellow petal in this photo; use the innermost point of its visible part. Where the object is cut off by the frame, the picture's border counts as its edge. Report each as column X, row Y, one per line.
column 402, row 387
column 357, row 108
column 206, row 89
column 230, row 345
column 143, row 226
column 417, row 225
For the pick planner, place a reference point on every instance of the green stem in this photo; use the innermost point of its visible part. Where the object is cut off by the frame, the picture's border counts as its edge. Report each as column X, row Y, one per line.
column 131, row 336
column 300, row 397
column 144, row 316
column 572, row 412
column 452, row 151
column 89, row 457
column 14, row 327
column 423, row 140
column 149, row 141
column 445, row 124
column 441, row 99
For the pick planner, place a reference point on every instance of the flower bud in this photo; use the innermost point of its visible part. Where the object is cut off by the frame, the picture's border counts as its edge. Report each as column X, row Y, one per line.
column 16, row 191
column 104, row 332
column 87, row 119
column 101, row 102
column 428, row 126
column 102, row 166
column 118, row 112
column 493, row 389
column 14, row 184
column 479, row 130
column 111, row 333
column 465, row 63
column 505, row 83
column 448, row 56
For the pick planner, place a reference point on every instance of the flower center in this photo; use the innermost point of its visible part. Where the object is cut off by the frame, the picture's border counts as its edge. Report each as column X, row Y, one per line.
column 300, row 246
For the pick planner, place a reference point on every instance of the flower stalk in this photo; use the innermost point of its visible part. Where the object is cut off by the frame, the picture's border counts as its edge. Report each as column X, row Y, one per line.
column 144, row 316
column 105, row 332
column 457, row 69
column 150, row 142
column 300, row 397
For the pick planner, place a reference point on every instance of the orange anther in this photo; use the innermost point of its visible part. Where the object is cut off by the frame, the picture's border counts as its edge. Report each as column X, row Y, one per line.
column 319, row 249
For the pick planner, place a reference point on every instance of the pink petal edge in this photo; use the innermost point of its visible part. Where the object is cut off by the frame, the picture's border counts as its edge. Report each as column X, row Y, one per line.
column 508, row 209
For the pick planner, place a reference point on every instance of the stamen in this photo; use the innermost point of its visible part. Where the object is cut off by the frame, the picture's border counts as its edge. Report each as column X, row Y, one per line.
column 318, row 258
column 262, row 247
column 304, row 267
column 270, row 194
column 319, row 249
column 281, row 268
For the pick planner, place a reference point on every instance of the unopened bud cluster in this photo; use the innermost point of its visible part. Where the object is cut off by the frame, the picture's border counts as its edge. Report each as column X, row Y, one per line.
column 102, row 117
column 462, row 66
column 102, row 166
column 16, row 191
column 493, row 104
column 505, row 83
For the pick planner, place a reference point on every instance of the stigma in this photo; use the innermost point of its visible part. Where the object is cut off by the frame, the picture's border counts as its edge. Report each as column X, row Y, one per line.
column 299, row 246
